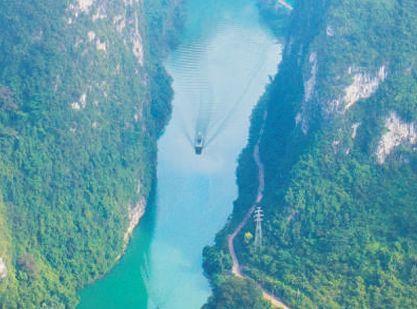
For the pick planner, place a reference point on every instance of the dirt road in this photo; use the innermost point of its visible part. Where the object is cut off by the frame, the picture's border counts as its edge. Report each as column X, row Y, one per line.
column 236, row 269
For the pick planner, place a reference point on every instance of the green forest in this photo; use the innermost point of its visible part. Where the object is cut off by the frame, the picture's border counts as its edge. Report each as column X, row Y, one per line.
column 84, row 96
column 339, row 226
column 79, row 119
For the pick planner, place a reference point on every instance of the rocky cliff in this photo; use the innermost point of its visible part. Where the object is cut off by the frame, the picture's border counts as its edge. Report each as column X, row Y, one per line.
column 339, row 150
column 83, row 98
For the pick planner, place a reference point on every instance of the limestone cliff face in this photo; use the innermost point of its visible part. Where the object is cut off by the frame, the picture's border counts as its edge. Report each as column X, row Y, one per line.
column 334, row 83
column 339, row 148
column 397, row 133
column 339, row 152
column 340, row 77
column 3, row 269
column 83, row 99
column 109, row 29
column 125, row 17
column 104, row 21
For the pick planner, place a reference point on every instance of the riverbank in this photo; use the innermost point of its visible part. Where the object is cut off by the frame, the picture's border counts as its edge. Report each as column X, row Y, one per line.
column 328, row 196
column 216, row 262
column 84, row 99
column 236, row 267
column 162, row 265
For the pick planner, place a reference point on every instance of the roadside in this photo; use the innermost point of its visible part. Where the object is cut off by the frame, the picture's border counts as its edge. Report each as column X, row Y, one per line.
column 236, row 268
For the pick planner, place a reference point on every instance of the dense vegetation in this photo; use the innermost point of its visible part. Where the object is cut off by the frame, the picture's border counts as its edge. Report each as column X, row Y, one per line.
column 236, row 293
column 79, row 119
column 339, row 228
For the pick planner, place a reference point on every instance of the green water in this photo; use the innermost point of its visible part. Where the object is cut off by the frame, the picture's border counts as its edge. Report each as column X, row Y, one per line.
column 226, row 54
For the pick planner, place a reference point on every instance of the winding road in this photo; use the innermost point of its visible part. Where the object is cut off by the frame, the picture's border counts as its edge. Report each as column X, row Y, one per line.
column 236, row 268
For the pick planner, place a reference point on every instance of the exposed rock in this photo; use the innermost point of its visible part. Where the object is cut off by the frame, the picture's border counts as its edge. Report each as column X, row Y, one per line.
column 137, row 41
column 329, row 31
column 126, row 20
column 355, row 127
column 135, row 214
column 309, row 88
column 398, row 132
column 336, row 146
column 75, row 106
column 101, row 45
column 363, row 86
column 3, row 269
column 81, row 6
column 91, row 35
column 298, row 118
column 99, row 15
column 82, row 102
column 120, row 22
column 84, row 5
column 310, row 84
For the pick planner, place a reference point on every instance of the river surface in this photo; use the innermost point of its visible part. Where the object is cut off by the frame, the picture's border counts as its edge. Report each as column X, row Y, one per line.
column 219, row 70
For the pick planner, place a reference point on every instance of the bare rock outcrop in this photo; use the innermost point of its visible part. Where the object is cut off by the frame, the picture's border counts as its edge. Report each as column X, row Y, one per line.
column 398, row 133
column 135, row 214
column 3, row 269
column 363, row 86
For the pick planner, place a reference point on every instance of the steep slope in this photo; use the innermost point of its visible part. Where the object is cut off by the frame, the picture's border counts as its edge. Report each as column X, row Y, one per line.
column 83, row 98
column 339, row 150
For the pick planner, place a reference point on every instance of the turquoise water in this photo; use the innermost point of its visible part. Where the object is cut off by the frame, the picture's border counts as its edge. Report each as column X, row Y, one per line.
column 220, row 69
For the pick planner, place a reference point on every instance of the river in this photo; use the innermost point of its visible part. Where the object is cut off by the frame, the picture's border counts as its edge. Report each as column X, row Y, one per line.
column 225, row 57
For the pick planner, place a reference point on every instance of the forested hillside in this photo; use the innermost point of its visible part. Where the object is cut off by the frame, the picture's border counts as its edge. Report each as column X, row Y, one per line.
column 339, row 147
column 83, row 98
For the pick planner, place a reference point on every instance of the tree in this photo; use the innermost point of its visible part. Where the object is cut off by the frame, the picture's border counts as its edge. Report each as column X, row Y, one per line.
column 234, row 293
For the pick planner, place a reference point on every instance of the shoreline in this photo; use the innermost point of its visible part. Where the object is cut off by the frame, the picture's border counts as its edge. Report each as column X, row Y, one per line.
column 135, row 215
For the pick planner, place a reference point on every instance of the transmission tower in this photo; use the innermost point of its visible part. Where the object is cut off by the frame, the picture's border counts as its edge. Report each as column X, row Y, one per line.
column 258, row 232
